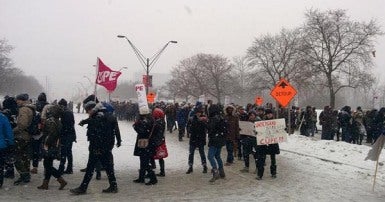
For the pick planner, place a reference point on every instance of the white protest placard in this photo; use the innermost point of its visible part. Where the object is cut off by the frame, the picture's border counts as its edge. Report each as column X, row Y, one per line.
column 270, row 131
column 247, row 128
column 142, row 99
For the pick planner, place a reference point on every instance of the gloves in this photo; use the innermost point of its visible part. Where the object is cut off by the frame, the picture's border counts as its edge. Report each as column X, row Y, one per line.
column 82, row 122
column 119, row 144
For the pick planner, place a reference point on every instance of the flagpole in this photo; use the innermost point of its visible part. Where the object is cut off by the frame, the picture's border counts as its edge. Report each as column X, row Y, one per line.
column 375, row 172
column 96, row 75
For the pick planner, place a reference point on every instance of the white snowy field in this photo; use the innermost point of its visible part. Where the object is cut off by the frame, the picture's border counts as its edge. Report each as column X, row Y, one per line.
column 308, row 170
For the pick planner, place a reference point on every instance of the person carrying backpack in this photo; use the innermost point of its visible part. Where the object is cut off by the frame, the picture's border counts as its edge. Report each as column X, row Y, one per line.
column 51, row 142
column 23, row 138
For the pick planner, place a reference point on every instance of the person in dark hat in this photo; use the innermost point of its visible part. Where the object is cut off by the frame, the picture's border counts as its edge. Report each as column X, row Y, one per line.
column 68, row 136
column 100, row 138
column 23, row 138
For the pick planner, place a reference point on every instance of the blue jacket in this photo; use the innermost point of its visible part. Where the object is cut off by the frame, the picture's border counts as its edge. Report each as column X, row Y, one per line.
column 6, row 133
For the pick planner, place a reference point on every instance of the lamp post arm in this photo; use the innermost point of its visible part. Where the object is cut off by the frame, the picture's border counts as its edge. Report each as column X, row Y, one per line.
column 138, row 54
column 156, row 56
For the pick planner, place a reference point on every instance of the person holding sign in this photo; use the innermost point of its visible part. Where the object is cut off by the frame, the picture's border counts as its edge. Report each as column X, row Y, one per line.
column 249, row 141
column 263, row 150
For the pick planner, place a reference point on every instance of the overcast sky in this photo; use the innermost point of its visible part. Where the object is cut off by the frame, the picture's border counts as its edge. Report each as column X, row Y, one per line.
column 60, row 39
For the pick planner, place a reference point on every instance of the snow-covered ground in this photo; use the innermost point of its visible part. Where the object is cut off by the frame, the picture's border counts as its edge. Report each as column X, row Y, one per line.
column 308, row 170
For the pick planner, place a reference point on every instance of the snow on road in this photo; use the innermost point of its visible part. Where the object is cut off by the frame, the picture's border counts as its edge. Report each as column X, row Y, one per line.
column 308, row 170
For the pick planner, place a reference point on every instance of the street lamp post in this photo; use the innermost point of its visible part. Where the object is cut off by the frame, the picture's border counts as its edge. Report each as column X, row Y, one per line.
column 147, row 63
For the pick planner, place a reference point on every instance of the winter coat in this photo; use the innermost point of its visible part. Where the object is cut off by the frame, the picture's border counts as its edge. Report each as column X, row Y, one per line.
column 182, row 117
column 6, row 134
column 198, row 130
column 144, row 127
column 68, row 132
column 23, row 121
column 217, row 130
column 233, row 126
column 157, row 137
column 99, row 132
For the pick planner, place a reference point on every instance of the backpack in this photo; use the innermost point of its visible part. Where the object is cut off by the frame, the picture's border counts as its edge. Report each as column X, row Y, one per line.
column 33, row 129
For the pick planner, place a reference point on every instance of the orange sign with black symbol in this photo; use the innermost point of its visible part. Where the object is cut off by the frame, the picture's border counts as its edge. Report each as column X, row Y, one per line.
column 258, row 100
column 151, row 97
column 283, row 92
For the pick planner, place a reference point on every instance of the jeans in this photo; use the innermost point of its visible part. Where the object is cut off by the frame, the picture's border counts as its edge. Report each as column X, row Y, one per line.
column 66, row 153
column 214, row 156
column 201, row 153
column 230, row 151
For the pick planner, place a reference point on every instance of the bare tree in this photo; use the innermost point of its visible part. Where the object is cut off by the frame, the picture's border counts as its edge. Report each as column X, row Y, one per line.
column 278, row 56
column 339, row 48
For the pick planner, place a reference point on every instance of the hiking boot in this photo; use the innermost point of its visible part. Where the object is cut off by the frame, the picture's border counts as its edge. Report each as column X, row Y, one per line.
column 215, row 175
column 78, row 191
column 62, row 182
column 34, row 170
column 44, row 185
column 111, row 189
column 244, row 170
column 222, row 173
column 190, row 170
column 83, row 170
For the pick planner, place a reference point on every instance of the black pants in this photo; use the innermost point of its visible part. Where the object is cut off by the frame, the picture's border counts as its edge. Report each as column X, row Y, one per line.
column 49, row 170
column 261, row 165
column 36, row 152
column 107, row 161
column 201, row 153
column 248, row 144
column 66, row 154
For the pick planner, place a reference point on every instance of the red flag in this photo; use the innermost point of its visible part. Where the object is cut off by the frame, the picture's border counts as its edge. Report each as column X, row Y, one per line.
column 107, row 77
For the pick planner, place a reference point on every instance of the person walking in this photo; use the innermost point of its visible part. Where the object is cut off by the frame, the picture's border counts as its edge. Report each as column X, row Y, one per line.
column 100, row 149
column 217, row 130
column 23, row 138
column 51, row 142
column 68, row 136
column 198, row 130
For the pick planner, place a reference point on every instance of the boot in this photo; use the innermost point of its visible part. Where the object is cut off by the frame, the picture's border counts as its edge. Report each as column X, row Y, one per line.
column 204, row 169
column 153, row 179
column 62, row 182
column 24, row 178
column 190, row 170
column 222, row 173
column 244, row 170
column 141, row 177
column 78, row 191
column 44, row 185
column 161, row 165
column 111, row 189
column 9, row 174
column 68, row 171
column 98, row 175
column 34, row 170
column 215, row 175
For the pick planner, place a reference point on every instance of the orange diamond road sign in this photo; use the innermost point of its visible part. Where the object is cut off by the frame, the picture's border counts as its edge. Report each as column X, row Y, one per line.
column 283, row 92
column 258, row 100
column 151, row 97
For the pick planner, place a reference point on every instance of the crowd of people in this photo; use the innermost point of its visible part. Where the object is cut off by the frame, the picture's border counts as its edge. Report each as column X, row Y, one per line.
column 41, row 130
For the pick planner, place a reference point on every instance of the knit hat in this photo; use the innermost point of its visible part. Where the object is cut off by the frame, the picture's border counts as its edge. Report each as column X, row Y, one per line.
column 63, row 102
column 89, row 105
column 23, row 97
